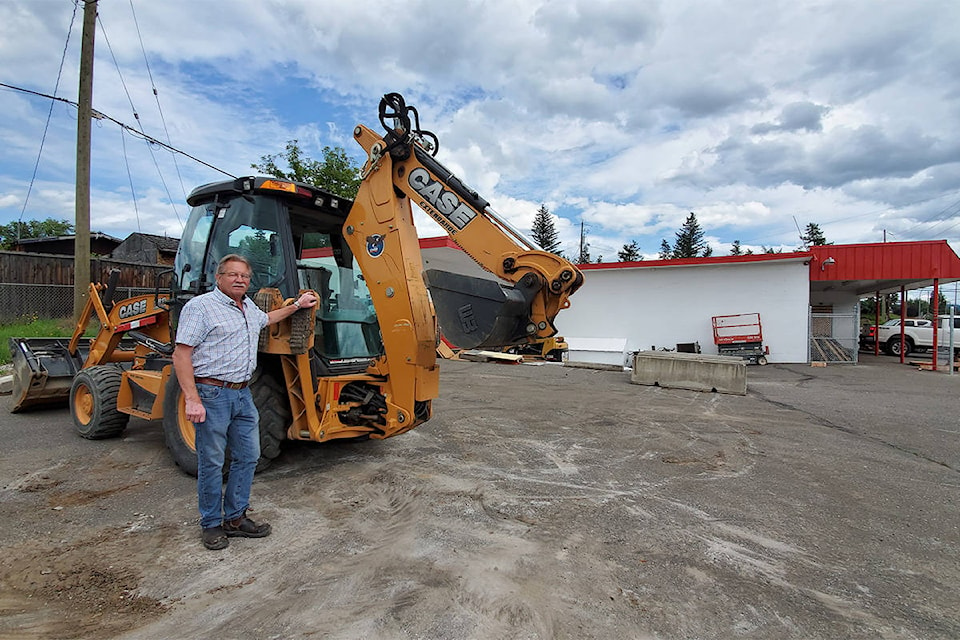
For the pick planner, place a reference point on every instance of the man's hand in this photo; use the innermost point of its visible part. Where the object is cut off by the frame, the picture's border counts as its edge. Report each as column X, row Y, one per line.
column 194, row 411
column 306, row 300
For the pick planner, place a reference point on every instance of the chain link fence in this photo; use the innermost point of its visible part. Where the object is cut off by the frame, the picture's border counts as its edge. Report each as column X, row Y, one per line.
column 834, row 337
column 23, row 302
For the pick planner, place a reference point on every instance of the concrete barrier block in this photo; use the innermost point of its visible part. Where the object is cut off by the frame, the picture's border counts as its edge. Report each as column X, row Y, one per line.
column 723, row 374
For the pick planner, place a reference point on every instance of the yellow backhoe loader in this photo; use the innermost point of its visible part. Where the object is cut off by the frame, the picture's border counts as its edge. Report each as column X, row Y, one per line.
column 363, row 363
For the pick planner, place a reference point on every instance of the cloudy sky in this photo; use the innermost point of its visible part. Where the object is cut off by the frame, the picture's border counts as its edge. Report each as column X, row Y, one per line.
column 622, row 115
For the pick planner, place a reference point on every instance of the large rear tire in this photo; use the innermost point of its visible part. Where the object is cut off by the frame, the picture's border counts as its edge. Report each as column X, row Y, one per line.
column 273, row 404
column 93, row 402
column 270, row 397
column 178, row 432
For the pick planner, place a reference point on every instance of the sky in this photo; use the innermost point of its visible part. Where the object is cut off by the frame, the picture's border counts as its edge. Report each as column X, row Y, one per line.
column 620, row 116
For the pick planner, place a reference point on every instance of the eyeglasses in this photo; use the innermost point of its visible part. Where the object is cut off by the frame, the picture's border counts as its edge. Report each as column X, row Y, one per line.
column 235, row 274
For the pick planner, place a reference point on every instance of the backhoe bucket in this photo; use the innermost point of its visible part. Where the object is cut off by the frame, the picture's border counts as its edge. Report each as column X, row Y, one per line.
column 478, row 312
column 43, row 371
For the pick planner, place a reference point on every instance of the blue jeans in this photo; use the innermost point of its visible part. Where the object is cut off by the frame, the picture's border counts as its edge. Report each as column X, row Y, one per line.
column 232, row 420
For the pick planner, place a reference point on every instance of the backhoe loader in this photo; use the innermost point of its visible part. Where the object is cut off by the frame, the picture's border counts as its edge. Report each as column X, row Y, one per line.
column 363, row 363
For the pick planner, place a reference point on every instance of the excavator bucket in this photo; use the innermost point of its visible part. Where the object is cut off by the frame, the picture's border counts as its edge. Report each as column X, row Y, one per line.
column 43, row 371
column 479, row 312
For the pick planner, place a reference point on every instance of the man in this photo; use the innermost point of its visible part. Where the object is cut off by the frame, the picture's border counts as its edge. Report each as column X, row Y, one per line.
column 215, row 356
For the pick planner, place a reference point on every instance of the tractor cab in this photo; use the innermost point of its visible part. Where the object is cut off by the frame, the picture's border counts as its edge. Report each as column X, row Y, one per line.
column 292, row 235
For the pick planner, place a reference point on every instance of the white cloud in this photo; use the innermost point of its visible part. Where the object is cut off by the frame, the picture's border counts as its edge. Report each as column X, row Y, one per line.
column 626, row 115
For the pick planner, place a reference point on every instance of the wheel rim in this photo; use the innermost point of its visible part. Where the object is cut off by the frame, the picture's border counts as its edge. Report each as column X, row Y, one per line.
column 188, row 432
column 83, row 404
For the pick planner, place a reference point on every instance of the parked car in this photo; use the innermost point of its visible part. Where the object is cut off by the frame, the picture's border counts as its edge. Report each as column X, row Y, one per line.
column 917, row 335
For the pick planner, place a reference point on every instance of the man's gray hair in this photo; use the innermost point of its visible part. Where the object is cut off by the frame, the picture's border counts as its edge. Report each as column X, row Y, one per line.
column 233, row 257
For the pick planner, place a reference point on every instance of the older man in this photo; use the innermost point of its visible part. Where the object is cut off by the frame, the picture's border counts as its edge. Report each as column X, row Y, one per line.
column 215, row 356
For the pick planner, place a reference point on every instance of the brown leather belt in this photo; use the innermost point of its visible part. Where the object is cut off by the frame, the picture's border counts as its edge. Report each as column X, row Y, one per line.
column 221, row 383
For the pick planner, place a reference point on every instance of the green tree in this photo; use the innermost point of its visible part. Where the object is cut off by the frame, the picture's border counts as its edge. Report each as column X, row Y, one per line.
column 813, row 236
column 336, row 173
column 766, row 249
column 544, row 232
column 49, row 228
column 735, row 249
column 665, row 251
column 584, row 253
column 690, row 242
column 630, row 252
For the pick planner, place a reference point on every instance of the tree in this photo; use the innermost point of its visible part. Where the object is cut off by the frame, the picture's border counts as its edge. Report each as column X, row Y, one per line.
column 813, row 236
column 13, row 231
column 690, row 242
column 544, row 232
column 336, row 173
column 767, row 249
column 735, row 249
column 630, row 252
column 665, row 250
column 584, row 257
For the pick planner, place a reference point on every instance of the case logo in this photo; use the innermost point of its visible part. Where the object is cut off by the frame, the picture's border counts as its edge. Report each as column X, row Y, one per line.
column 443, row 202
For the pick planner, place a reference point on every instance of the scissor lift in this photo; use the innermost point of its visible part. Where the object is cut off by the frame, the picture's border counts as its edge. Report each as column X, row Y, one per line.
column 740, row 335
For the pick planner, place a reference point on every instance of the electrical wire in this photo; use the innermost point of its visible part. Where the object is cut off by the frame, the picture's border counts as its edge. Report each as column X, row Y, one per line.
column 132, row 131
column 156, row 95
column 46, row 125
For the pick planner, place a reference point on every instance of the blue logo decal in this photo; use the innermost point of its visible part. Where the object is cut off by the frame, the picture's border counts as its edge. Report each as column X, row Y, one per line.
column 375, row 245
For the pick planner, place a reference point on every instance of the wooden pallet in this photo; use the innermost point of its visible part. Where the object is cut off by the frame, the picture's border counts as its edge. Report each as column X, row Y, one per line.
column 828, row 350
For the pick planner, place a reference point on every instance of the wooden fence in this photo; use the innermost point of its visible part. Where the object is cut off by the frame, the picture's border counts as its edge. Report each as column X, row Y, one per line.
column 41, row 285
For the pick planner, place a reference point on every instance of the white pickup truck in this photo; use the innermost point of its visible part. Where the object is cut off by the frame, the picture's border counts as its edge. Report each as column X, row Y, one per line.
column 918, row 335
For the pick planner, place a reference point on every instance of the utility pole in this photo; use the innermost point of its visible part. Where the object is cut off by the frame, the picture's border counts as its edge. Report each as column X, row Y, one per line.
column 81, row 250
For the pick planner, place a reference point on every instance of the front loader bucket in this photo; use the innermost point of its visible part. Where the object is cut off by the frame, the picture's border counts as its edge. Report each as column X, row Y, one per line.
column 43, row 371
column 478, row 312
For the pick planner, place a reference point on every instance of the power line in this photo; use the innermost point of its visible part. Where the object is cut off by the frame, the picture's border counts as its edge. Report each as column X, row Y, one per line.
column 131, row 130
column 46, row 125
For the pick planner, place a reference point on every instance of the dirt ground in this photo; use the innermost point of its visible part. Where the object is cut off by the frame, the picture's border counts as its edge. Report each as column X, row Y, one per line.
column 540, row 502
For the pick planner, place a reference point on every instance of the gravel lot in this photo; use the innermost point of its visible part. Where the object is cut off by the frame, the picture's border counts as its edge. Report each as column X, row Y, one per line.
column 540, row 502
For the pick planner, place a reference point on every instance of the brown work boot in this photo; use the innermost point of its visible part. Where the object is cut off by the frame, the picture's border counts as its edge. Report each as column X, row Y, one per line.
column 214, row 538
column 244, row 527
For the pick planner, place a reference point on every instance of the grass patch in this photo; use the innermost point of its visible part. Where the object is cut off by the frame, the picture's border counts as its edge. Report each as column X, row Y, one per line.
column 33, row 328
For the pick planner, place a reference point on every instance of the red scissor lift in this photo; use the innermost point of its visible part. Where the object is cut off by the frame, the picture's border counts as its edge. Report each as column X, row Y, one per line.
column 740, row 335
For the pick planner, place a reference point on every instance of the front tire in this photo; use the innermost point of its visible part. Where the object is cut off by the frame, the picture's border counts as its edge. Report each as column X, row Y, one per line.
column 93, row 402
column 893, row 346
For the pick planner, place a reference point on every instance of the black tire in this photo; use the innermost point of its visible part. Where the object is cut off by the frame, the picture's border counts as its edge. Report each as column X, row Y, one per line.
column 270, row 396
column 893, row 346
column 178, row 432
column 93, row 402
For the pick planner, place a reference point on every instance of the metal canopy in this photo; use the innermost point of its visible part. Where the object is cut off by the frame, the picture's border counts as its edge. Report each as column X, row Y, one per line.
column 864, row 269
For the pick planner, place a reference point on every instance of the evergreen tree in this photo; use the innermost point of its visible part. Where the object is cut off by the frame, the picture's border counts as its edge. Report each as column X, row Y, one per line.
column 708, row 252
column 690, row 242
column 584, row 257
column 630, row 252
column 813, row 236
column 336, row 173
column 543, row 231
column 665, row 251
column 735, row 249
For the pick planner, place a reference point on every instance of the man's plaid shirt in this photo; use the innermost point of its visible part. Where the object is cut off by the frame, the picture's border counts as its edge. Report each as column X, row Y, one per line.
column 223, row 338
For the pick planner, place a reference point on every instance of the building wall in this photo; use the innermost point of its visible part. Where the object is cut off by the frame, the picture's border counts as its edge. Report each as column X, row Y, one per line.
column 658, row 307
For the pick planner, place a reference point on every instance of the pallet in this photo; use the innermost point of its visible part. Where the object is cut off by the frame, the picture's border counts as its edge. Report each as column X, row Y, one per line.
column 828, row 350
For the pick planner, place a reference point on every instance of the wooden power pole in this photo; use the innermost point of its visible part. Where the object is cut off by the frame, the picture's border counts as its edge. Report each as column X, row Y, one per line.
column 81, row 251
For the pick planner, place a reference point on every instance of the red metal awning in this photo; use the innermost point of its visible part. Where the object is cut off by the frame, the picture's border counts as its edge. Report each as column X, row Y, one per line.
column 882, row 266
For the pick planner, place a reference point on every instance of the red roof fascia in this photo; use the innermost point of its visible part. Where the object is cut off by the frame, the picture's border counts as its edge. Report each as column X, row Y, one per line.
column 922, row 260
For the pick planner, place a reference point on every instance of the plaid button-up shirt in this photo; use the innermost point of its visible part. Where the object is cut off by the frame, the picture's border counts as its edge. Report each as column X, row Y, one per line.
column 223, row 338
